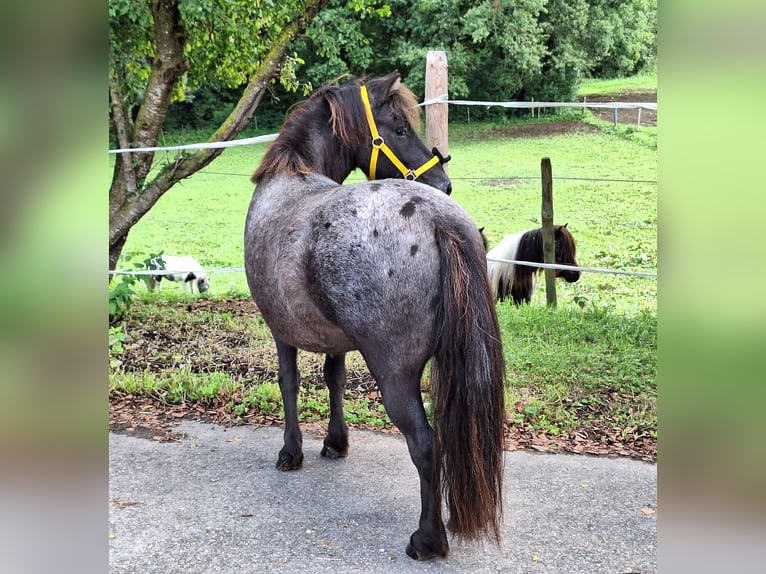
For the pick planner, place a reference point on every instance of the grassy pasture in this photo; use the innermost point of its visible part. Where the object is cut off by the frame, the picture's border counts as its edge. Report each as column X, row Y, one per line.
column 496, row 180
column 590, row 364
column 639, row 83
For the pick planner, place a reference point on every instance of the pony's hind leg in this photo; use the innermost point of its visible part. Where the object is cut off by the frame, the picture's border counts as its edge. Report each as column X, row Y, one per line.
column 291, row 455
column 336, row 441
column 401, row 397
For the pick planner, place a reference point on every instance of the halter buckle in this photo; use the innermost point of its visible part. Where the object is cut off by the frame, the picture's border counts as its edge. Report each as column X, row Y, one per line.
column 378, row 142
column 410, row 175
column 442, row 159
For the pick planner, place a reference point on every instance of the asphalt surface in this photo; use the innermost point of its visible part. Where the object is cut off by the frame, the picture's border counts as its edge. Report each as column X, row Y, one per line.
column 213, row 502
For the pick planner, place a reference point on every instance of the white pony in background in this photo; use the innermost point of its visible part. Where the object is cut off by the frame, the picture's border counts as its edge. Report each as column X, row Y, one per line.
column 180, row 268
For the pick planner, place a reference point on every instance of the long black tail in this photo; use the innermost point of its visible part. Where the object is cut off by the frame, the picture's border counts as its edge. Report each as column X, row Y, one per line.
column 467, row 382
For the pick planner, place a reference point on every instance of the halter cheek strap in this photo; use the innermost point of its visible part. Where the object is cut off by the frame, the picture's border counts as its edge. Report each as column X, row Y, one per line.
column 379, row 144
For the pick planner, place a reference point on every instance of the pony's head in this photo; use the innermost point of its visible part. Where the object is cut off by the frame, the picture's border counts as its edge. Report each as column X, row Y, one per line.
column 566, row 253
column 371, row 126
column 203, row 283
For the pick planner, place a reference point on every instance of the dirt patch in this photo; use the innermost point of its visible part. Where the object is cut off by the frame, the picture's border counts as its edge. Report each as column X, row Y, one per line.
column 626, row 116
column 232, row 306
column 541, row 130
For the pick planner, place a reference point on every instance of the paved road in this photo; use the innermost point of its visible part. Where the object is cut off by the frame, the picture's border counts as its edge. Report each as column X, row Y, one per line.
column 214, row 503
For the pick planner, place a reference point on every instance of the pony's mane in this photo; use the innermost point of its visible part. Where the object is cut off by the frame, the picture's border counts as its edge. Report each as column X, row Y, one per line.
column 282, row 155
column 290, row 154
column 566, row 243
column 531, row 245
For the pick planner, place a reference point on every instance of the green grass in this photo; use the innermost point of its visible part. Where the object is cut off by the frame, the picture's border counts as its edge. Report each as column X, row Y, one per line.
column 640, row 83
column 589, row 363
column 568, row 369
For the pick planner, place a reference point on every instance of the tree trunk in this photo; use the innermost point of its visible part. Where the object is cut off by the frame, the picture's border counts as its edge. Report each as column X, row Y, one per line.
column 130, row 196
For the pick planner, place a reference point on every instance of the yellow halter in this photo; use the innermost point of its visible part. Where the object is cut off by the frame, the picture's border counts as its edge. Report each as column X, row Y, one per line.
column 378, row 145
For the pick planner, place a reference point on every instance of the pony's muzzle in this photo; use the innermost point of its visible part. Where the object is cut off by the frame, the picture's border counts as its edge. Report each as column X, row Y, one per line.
column 570, row 276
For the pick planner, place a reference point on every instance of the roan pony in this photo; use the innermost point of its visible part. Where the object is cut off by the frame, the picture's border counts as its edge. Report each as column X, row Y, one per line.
column 395, row 269
column 518, row 281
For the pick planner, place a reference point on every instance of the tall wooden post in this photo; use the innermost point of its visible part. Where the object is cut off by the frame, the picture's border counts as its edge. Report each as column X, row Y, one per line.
column 549, row 245
column 437, row 115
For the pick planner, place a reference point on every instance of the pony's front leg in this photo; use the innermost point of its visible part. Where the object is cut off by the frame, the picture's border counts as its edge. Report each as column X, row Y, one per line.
column 291, row 455
column 336, row 441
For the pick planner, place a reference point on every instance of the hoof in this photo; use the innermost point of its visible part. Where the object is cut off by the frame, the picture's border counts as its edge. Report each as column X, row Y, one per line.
column 332, row 452
column 288, row 462
column 422, row 551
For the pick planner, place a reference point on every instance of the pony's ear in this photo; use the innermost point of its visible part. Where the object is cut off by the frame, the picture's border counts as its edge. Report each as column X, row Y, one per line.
column 396, row 84
column 388, row 84
column 481, row 230
column 565, row 224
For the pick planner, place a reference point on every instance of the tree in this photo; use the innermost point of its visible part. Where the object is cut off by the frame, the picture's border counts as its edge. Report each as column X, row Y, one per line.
column 563, row 23
column 497, row 49
column 160, row 48
column 620, row 37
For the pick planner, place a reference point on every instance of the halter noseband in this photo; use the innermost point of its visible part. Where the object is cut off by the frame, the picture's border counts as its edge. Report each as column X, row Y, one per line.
column 379, row 144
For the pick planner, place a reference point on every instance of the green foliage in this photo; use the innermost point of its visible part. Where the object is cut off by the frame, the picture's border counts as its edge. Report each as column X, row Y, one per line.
column 563, row 22
column 131, row 46
column 313, row 405
column 497, row 50
column 121, row 297
column 264, row 398
column 620, row 38
column 173, row 387
column 117, row 335
column 122, row 294
column 226, row 42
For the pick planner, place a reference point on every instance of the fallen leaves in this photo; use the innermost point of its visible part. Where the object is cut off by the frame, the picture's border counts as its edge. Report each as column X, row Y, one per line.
column 123, row 503
column 593, row 441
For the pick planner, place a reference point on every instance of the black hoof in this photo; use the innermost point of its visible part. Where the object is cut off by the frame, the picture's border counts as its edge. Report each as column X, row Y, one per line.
column 421, row 551
column 289, row 462
column 331, row 451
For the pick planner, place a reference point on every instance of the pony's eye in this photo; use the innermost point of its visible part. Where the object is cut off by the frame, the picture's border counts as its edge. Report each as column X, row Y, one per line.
column 401, row 131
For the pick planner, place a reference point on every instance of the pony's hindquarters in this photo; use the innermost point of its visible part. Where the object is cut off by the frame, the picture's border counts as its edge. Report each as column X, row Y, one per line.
column 467, row 380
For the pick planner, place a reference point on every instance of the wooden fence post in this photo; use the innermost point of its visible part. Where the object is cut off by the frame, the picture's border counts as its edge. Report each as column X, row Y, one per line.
column 549, row 246
column 437, row 115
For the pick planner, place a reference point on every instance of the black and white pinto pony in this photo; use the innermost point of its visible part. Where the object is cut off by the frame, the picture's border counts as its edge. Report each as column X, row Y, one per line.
column 393, row 268
column 518, row 281
column 182, row 268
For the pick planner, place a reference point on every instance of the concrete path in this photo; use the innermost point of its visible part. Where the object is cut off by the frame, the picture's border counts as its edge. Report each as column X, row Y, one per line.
column 214, row 503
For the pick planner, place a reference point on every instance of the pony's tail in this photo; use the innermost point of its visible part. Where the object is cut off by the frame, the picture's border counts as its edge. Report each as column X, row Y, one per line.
column 467, row 382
